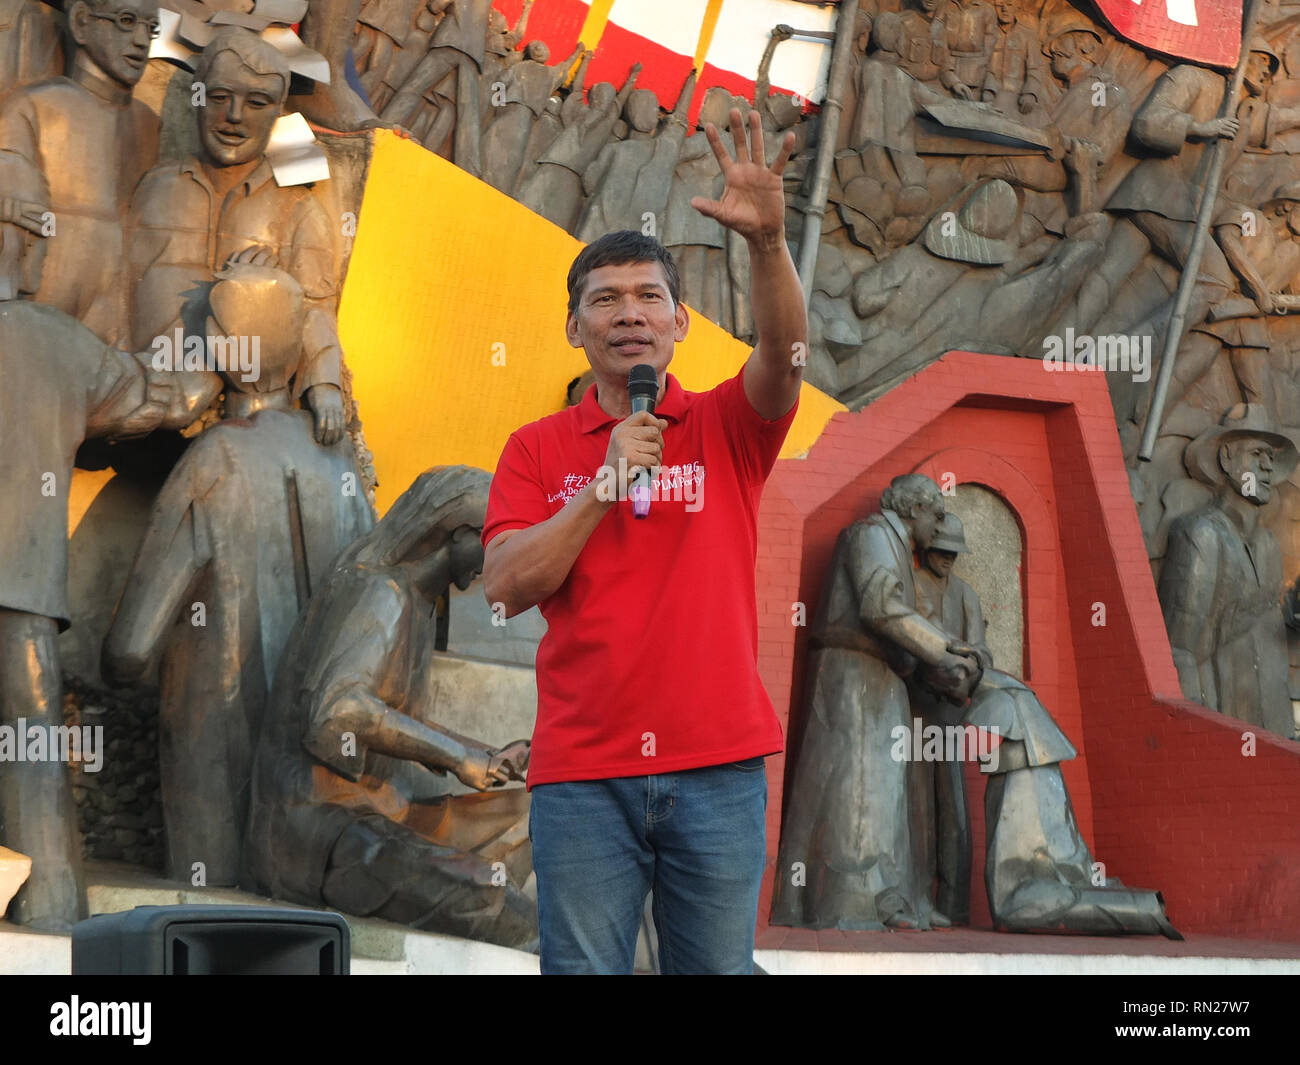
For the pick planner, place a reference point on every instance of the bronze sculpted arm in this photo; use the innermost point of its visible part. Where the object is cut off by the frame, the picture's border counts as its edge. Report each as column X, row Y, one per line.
column 883, row 608
column 348, row 718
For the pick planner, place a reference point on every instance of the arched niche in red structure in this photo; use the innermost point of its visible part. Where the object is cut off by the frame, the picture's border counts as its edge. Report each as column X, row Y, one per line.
column 1161, row 787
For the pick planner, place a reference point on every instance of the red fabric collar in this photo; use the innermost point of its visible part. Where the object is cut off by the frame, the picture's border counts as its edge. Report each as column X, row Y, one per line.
column 592, row 416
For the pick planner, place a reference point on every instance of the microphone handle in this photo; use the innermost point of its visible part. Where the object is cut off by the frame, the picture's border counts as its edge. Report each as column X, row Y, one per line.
column 640, row 487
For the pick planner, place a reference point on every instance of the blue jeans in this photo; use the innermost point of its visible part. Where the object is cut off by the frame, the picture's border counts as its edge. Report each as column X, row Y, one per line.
column 698, row 837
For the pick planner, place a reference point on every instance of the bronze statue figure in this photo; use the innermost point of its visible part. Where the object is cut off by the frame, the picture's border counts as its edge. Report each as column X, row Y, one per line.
column 244, row 530
column 853, row 845
column 243, row 216
column 347, row 807
column 1222, row 581
column 92, row 141
column 59, row 385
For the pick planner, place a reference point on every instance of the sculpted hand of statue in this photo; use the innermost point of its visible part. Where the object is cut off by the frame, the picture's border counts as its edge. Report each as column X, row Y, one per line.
column 1027, row 102
column 160, row 392
column 1265, row 302
column 510, row 762
column 326, row 403
column 963, row 92
column 954, row 676
column 1081, row 155
column 483, row 769
column 1215, row 127
column 753, row 199
column 254, row 255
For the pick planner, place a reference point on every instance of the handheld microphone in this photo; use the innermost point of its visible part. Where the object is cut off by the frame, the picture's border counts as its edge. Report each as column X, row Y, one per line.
column 643, row 390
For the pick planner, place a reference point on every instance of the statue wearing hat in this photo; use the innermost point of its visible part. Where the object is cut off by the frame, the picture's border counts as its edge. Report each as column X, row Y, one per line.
column 59, row 385
column 1222, row 584
column 952, row 604
column 1087, row 137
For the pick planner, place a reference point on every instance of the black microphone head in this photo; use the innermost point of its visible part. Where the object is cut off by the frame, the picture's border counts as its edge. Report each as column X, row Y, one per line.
column 643, row 383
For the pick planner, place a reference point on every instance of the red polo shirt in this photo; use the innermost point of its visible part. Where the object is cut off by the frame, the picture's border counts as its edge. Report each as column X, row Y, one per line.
column 649, row 664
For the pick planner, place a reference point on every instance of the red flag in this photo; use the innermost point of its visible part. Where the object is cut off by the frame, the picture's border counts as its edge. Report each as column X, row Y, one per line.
column 1203, row 31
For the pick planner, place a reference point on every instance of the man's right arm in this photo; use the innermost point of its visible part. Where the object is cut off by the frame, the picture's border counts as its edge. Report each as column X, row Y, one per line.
column 522, row 567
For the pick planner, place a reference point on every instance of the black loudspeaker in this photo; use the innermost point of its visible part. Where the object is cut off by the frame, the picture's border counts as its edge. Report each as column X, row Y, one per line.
column 212, row 940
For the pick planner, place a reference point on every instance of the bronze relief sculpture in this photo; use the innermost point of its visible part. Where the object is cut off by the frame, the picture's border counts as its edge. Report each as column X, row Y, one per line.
column 854, row 841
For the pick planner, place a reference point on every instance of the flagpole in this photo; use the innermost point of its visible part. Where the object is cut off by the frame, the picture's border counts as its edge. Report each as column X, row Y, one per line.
column 827, row 135
column 1178, row 318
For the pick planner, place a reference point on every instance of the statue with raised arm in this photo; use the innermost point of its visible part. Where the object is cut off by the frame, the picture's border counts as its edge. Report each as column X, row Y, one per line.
column 349, row 808
column 458, row 47
column 555, row 189
column 515, row 104
column 633, row 178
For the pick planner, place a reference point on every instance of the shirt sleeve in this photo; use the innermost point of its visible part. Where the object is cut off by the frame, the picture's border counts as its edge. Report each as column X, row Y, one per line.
column 755, row 441
column 516, row 499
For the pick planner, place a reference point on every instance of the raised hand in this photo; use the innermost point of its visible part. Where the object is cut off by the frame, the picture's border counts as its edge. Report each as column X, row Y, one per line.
column 753, row 199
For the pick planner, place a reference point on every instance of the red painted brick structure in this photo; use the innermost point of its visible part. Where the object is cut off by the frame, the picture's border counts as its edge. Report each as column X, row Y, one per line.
column 1163, row 791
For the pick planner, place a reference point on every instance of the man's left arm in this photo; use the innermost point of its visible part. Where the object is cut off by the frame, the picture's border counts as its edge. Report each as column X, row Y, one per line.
column 753, row 206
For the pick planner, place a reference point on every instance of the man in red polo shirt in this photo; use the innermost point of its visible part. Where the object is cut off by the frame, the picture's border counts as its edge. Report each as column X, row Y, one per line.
column 652, row 724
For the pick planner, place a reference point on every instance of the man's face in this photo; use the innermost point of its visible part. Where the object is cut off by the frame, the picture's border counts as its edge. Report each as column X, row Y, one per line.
column 242, row 106
column 940, row 561
column 1006, row 10
column 626, row 316
column 1259, row 72
column 929, row 7
column 1071, row 51
column 1248, row 465
column 925, row 518
column 120, row 51
column 1286, row 218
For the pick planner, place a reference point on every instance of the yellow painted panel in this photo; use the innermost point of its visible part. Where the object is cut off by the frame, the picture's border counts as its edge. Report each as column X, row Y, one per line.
column 86, row 485
column 452, row 320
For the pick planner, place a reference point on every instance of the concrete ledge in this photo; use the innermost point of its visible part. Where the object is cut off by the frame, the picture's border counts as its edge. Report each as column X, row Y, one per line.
column 379, row 948
column 899, row 963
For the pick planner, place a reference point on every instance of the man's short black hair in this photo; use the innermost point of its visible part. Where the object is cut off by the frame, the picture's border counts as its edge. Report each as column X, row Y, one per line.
column 617, row 249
